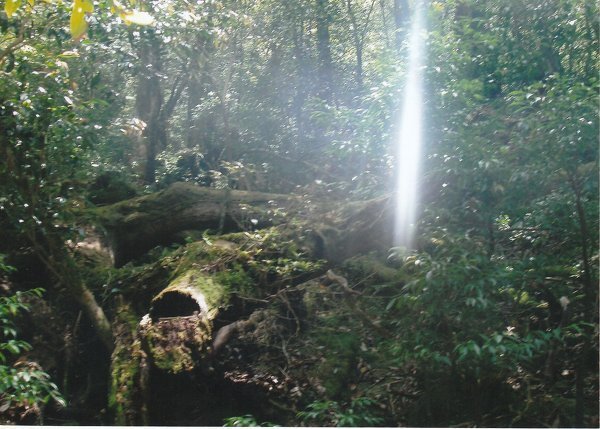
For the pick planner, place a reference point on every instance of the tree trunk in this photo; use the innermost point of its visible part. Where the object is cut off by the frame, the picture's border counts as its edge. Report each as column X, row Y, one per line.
column 358, row 35
column 149, row 100
column 589, row 303
column 63, row 267
column 401, row 14
column 188, row 305
column 324, row 50
column 301, row 87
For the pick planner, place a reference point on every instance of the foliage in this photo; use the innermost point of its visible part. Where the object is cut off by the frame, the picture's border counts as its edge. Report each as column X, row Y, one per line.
column 23, row 385
column 80, row 9
column 247, row 420
column 359, row 411
column 501, row 284
column 241, row 421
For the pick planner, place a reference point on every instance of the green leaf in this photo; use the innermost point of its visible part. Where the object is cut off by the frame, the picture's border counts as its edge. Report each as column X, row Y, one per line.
column 11, row 6
column 13, row 348
column 77, row 23
column 60, row 400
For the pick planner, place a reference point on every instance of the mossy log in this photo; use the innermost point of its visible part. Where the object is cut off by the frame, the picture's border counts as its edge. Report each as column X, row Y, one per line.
column 177, row 333
column 125, row 399
column 339, row 230
column 135, row 226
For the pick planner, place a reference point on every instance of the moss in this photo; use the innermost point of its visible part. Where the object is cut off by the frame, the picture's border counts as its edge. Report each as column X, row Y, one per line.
column 124, row 396
column 236, row 278
column 191, row 256
column 176, row 344
column 337, row 369
column 361, row 267
column 200, row 287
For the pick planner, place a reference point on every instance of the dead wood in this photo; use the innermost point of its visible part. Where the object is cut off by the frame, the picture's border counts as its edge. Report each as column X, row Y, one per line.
column 337, row 230
column 135, row 226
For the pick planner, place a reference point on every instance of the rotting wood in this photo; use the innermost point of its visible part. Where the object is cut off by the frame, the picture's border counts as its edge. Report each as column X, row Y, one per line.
column 179, row 325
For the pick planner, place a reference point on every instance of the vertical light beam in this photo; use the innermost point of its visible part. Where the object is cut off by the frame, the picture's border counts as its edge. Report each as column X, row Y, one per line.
column 410, row 135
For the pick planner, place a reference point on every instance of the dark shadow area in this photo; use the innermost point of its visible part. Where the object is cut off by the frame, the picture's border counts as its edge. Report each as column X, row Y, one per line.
column 174, row 304
column 204, row 399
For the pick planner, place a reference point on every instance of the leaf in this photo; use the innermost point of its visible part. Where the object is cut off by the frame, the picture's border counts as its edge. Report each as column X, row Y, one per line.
column 87, row 6
column 444, row 359
column 60, row 400
column 69, row 54
column 9, row 332
column 391, row 303
column 13, row 348
column 11, row 6
column 78, row 25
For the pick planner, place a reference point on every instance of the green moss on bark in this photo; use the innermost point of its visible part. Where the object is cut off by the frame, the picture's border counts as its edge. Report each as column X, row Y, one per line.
column 177, row 333
column 124, row 398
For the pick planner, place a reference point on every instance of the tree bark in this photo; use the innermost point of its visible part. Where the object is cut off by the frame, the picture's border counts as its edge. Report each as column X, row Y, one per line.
column 62, row 266
column 590, row 301
column 358, row 36
column 149, row 100
column 188, row 305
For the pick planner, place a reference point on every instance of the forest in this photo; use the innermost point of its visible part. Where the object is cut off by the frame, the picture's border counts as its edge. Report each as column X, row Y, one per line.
column 299, row 213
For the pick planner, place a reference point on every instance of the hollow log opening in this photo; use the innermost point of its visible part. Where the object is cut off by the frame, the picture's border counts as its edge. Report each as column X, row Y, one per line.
column 174, row 304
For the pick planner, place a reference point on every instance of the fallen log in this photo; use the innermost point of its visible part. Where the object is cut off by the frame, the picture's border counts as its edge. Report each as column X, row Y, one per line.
column 337, row 230
column 353, row 228
column 135, row 226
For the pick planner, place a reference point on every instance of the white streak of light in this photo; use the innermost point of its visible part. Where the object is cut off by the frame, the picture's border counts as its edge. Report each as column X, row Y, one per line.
column 409, row 139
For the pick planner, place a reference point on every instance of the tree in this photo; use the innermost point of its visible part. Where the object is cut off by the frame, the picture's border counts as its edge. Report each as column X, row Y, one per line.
column 45, row 137
column 358, row 36
column 323, row 17
column 401, row 14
